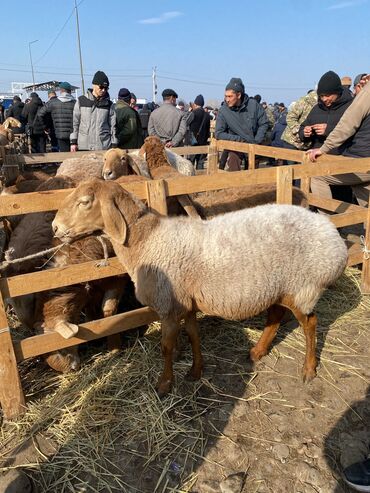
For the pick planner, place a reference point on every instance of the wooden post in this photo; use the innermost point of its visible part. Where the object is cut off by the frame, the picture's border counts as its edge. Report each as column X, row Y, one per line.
column 212, row 166
column 306, row 182
column 365, row 276
column 252, row 157
column 284, row 191
column 11, row 393
column 156, row 196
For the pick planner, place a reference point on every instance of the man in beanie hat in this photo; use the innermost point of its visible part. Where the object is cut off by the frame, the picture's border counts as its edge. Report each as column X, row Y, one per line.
column 240, row 119
column 352, row 136
column 15, row 111
column 129, row 131
column 167, row 122
column 322, row 119
column 94, row 118
column 199, row 122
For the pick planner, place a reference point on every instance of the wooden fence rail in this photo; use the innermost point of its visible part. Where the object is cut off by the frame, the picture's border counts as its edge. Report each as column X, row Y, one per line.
column 155, row 193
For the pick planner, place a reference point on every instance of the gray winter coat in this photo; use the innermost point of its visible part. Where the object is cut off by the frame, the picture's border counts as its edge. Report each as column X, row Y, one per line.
column 94, row 123
column 168, row 123
column 245, row 123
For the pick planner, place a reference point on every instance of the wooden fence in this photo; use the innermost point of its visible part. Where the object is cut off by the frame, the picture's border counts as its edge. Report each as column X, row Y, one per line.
column 155, row 192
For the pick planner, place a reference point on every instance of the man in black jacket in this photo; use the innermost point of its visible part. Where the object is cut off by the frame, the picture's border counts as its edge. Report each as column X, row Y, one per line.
column 35, row 126
column 60, row 109
column 199, row 123
column 240, row 119
column 333, row 101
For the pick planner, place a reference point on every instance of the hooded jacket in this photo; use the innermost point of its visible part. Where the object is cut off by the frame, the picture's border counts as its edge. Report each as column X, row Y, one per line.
column 245, row 123
column 94, row 123
column 29, row 113
column 323, row 114
column 61, row 111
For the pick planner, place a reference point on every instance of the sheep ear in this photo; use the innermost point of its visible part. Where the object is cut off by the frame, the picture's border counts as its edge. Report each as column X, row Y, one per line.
column 114, row 222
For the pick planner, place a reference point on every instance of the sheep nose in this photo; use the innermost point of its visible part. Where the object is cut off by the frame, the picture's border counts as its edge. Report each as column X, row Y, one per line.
column 108, row 175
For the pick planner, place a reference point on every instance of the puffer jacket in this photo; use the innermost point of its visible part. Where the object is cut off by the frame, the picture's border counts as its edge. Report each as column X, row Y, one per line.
column 61, row 111
column 245, row 123
column 94, row 123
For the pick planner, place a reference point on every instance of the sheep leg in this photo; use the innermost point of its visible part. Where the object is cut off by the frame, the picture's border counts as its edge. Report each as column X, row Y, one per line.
column 309, row 324
column 170, row 332
column 191, row 327
column 274, row 316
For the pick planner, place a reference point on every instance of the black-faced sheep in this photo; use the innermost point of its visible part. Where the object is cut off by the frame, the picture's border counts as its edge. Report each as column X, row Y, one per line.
column 234, row 266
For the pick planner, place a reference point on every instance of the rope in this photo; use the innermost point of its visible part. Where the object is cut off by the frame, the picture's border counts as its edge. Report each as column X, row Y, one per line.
column 364, row 248
column 6, row 263
column 104, row 262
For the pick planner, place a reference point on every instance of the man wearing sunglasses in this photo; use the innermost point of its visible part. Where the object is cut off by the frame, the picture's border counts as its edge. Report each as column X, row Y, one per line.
column 94, row 118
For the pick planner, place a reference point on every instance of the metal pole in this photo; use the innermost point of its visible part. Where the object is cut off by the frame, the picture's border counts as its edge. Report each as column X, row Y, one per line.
column 79, row 49
column 33, row 75
column 154, row 84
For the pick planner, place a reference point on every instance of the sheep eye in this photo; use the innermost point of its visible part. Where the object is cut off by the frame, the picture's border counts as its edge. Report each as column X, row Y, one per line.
column 84, row 203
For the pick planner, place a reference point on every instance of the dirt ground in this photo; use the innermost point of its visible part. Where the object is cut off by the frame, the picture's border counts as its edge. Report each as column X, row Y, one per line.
column 241, row 429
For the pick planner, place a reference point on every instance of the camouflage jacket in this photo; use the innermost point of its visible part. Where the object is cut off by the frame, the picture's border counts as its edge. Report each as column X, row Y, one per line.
column 295, row 117
column 270, row 116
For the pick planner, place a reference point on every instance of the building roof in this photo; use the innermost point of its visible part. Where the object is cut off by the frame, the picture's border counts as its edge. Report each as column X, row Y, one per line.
column 46, row 86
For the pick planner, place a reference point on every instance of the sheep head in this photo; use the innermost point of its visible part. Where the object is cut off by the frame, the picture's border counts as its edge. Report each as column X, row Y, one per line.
column 97, row 205
column 154, row 151
column 115, row 164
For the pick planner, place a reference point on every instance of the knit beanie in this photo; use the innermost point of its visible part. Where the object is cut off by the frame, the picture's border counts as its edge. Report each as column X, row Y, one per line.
column 124, row 94
column 199, row 100
column 236, row 85
column 329, row 83
column 100, row 79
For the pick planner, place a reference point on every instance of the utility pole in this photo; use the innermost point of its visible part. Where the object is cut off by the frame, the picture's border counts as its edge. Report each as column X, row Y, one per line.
column 33, row 75
column 79, row 49
column 154, row 83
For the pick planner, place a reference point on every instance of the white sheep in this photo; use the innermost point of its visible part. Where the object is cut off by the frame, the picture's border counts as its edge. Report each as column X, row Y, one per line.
column 82, row 167
column 234, row 266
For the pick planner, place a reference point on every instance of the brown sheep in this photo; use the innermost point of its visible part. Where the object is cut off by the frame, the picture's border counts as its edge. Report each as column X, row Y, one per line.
column 118, row 162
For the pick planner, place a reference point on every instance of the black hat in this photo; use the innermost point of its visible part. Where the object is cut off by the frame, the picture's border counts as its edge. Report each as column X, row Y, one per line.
column 329, row 83
column 199, row 100
column 236, row 85
column 133, row 96
column 34, row 95
column 168, row 93
column 100, row 79
column 124, row 94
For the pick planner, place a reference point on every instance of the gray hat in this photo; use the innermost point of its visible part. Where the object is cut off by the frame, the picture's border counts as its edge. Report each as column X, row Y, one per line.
column 236, row 85
column 358, row 79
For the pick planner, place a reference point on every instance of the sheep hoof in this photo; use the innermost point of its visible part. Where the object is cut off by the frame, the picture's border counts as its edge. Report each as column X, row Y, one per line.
column 308, row 374
column 163, row 388
column 256, row 354
column 193, row 375
column 66, row 329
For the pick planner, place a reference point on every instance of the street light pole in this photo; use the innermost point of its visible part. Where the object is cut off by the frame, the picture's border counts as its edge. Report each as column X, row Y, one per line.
column 33, row 75
column 79, row 49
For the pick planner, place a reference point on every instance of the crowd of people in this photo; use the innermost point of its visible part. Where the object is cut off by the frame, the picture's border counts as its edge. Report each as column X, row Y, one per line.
column 329, row 119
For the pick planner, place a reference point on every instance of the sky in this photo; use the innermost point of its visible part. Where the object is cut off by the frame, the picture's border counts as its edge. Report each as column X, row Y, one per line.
column 280, row 48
